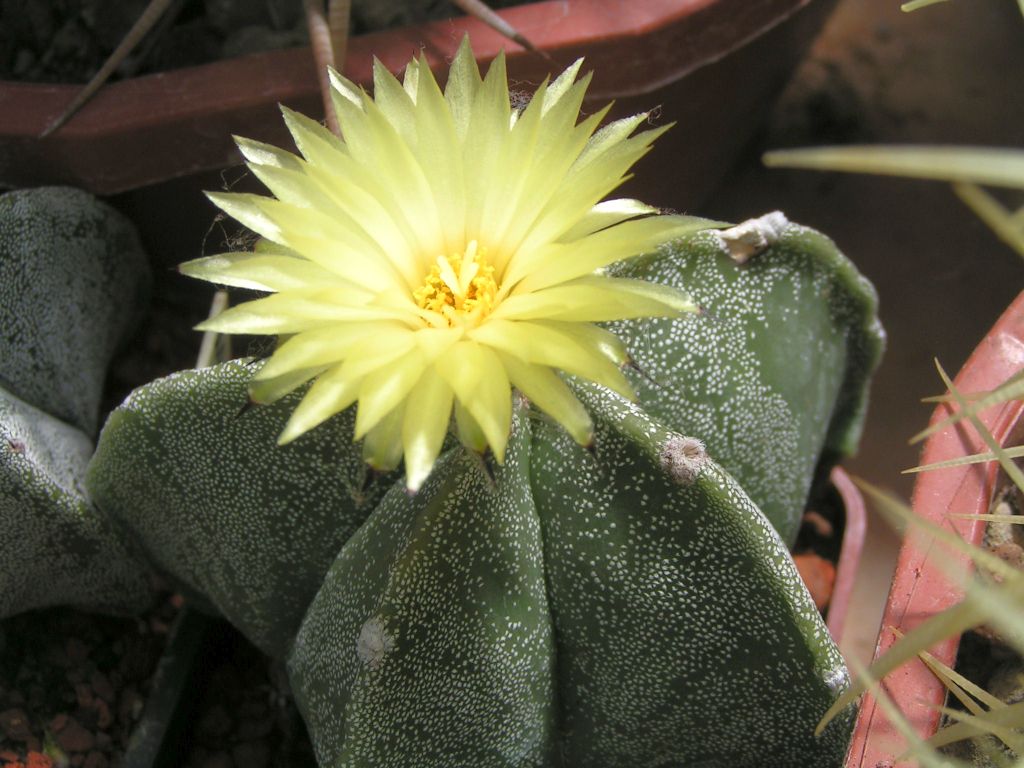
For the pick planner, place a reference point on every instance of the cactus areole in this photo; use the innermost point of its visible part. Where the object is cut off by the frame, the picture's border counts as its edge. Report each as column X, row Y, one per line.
column 609, row 584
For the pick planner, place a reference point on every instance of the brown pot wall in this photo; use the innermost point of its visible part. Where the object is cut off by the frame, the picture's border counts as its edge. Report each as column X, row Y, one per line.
column 712, row 65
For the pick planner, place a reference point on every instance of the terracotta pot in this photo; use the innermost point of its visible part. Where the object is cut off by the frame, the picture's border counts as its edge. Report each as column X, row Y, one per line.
column 713, row 65
column 922, row 585
column 854, row 531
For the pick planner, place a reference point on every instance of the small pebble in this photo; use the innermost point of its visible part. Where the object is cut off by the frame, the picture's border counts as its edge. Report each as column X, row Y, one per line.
column 102, row 687
column 819, row 575
column 15, row 724
column 251, row 754
column 70, row 735
column 38, row 760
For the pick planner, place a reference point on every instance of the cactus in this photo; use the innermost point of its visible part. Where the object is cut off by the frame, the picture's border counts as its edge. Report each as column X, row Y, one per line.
column 629, row 606
column 73, row 281
column 71, row 278
column 774, row 380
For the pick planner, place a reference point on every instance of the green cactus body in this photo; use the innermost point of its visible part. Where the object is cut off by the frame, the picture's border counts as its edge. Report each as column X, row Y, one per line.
column 774, row 377
column 627, row 608
column 430, row 642
column 72, row 280
column 249, row 526
column 676, row 608
column 56, row 548
column 72, row 277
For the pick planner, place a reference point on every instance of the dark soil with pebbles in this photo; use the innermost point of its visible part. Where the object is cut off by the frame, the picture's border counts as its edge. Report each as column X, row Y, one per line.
column 72, row 684
column 68, row 40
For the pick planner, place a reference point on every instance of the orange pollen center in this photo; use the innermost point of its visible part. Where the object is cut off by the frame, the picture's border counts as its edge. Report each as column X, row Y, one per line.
column 461, row 287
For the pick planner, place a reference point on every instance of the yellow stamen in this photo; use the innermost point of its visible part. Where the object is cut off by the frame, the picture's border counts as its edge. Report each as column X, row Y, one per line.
column 461, row 287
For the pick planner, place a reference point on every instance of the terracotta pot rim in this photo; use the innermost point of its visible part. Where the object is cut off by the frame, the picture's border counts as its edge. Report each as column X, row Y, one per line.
column 186, row 116
column 921, row 586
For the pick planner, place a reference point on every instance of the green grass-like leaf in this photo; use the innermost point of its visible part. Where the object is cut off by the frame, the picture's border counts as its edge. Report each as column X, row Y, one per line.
column 977, row 165
column 915, row 4
column 976, row 402
column 919, row 750
column 976, row 458
column 1008, row 465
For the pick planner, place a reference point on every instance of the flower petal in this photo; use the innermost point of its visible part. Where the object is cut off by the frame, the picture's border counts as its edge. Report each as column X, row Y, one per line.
column 296, row 311
column 428, row 412
column 330, row 394
column 596, row 299
column 583, row 256
column 260, row 271
column 607, row 214
column 272, row 390
column 394, row 102
column 481, row 386
column 463, row 83
column 548, row 392
column 583, row 350
column 384, row 390
column 325, row 346
column 382, row 448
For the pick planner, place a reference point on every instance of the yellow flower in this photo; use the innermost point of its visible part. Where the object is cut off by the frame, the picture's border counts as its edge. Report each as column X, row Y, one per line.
column 446, row 249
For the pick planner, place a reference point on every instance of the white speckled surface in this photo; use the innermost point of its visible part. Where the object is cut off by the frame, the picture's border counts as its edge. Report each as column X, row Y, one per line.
column 72, row 276
column 55, row 548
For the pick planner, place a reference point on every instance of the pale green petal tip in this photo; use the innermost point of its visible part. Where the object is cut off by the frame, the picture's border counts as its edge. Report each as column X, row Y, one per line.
column 415, row 476
column 345, row 87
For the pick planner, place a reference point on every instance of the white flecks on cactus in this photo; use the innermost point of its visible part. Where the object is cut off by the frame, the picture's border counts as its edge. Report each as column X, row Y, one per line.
column 222, row 509
column 675, row 607
column 55, row 548
column 72, row 280
column 773, row 376
column 581, row 607
column 456, row 573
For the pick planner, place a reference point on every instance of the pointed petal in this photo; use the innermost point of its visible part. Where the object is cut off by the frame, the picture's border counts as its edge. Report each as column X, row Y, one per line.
column 259, row 272
column 428, row 412
column 438, row 151
column 595, row 300
column 272, row 390
column 382, row 448
column 481, row 385
column 245, row 209
column 469, row 432
column 384, row 390
column 576, row 348
column 583, row 256
column 394, row 102
column 606, row 214
column 330, row 394
column 326, row 346
column 267, row 154
column 547, row 391
column 562, row 84
column 463, row 83
column 317, row 144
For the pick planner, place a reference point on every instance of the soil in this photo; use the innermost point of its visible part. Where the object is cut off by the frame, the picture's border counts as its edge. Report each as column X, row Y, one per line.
column 73, row 684
column 68, row 40
column 818, row 544
column 984, row 657
column 242, row 715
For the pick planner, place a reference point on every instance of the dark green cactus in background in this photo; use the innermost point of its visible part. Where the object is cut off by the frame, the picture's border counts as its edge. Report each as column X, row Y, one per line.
column 626, row 606
column 72, row 281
